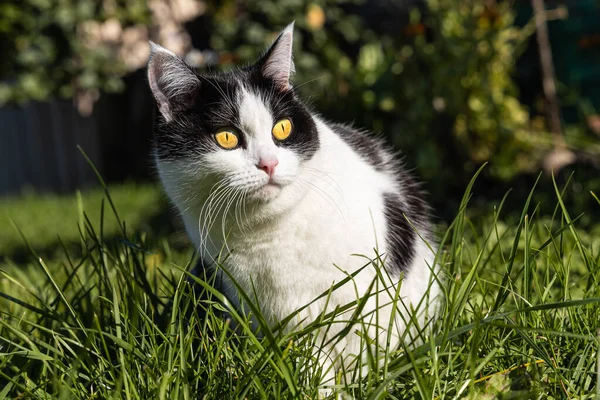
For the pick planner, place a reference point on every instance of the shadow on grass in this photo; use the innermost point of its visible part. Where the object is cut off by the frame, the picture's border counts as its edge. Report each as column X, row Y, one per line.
column 154, row 224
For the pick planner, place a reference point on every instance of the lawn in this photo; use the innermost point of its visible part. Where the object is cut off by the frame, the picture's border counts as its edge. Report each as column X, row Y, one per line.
column 94, row 303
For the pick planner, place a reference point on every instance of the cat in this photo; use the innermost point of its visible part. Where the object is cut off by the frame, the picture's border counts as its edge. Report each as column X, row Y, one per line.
column 295, row 203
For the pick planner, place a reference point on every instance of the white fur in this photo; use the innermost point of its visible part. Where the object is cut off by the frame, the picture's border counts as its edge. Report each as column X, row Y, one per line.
column 291, row 241
column 280, row 66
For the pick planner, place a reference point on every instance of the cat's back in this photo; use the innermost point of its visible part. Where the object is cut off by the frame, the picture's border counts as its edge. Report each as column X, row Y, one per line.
column 396, row 201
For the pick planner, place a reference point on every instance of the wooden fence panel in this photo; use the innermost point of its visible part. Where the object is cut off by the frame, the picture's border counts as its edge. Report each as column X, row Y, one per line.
column 38, row 148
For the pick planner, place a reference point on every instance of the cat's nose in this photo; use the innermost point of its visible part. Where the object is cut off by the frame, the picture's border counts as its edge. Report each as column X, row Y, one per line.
column 268, row 165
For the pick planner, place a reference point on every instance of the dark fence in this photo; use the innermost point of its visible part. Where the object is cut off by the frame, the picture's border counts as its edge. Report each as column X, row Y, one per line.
column 38, row 147
column 38, row 142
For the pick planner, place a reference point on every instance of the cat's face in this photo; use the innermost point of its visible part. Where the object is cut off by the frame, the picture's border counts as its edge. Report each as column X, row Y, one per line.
column 241, row 134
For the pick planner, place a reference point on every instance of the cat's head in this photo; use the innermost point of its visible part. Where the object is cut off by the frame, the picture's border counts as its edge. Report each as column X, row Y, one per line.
column 242, row 131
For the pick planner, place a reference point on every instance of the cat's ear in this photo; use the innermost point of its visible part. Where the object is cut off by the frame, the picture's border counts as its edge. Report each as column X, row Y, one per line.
column 277, row 63
column 173, row 83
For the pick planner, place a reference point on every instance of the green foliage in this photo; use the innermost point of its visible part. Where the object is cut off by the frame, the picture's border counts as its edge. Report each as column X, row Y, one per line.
column 47, row 51
column 438, row 85
column 520, row 320
column 470, row 61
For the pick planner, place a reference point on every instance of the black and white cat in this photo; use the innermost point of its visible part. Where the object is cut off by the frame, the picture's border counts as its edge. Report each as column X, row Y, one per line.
column 295, row 202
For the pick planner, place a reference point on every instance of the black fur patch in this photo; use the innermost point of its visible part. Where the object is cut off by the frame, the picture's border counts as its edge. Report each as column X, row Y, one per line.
column 364, row 144
column 401, row 237
column 215, row 107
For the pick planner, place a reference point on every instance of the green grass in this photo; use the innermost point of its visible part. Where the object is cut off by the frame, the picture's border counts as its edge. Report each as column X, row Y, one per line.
column 51, row 222
column 43, row 218
column 117, row 318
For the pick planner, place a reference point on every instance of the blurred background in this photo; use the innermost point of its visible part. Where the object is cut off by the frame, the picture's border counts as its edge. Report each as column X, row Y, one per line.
column 453, row 84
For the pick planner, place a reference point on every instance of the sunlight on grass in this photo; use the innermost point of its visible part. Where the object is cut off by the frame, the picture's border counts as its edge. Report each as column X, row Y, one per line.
column 521, row 319
column 44, row 217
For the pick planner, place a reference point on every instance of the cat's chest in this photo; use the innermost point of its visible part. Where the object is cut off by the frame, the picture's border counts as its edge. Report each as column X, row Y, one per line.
column 290, row 263
column 293, row 246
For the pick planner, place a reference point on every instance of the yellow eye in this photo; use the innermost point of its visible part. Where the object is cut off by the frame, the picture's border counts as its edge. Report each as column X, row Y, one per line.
column 226, row 139
column 282, row 129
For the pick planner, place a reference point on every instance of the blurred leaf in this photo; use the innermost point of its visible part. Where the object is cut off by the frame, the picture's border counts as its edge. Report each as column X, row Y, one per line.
column 48, row 48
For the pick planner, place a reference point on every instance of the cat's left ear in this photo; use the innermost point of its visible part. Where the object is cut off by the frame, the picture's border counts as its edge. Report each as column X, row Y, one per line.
column 277, row 62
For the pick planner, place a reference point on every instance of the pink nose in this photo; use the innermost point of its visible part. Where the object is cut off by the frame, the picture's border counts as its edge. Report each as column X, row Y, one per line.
column 268, row 166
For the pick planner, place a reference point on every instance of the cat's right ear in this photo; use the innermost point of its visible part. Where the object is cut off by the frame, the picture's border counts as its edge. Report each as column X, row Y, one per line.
column 173, row 83
column 277, row 63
